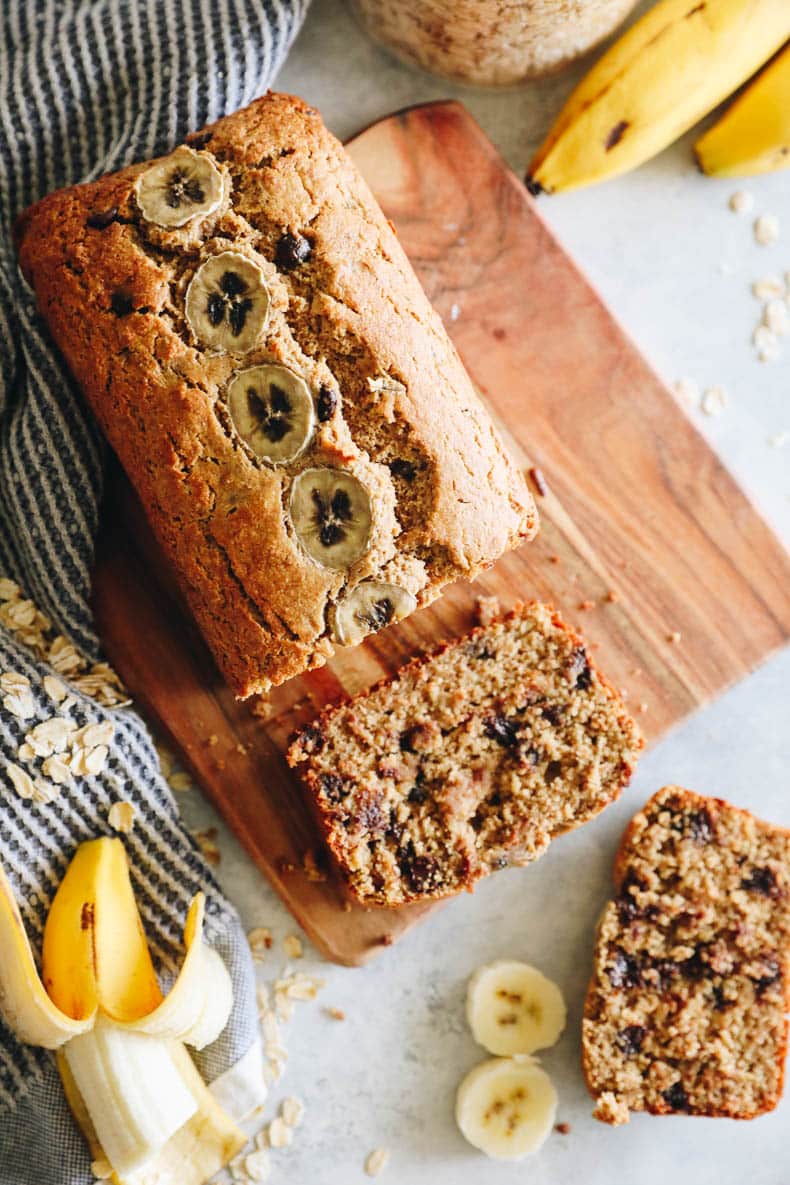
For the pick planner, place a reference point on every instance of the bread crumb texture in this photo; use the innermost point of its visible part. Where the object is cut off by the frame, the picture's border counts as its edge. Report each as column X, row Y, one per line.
column 312, row 280
column 685, row 1013
column 471, row 759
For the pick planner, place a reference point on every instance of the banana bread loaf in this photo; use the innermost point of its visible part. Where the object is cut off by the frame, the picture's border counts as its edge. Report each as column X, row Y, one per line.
column 305, row 441
column 470, row 759
column 686, row 1008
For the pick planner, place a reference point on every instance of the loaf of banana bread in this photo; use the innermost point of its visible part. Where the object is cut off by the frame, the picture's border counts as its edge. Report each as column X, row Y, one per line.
column 468, row 760
column 685, row 1013
column 303, row 437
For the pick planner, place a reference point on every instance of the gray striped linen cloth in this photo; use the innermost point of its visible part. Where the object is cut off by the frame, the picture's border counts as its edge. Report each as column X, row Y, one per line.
column 86, row 87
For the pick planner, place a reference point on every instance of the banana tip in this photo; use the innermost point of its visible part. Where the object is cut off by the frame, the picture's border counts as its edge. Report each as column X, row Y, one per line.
column 533, row 185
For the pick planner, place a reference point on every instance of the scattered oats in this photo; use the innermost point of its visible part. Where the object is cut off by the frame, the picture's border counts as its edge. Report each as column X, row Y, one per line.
column 121, row 816
column 20, row 703
column 101, row 1169
column 25, row 752
column 299, row 986
column 292, row 945
column 335, row 1013
column 769, row 288
column 714, row 401
column 674, row 637
column 273, row 1072
column 776, row 317
column 780, row 439
column 280, row 1134
column 741, row 202
column 766, row 229
column 769, row 353
column 9, row 591
column 270, row 1029
column 96, row 759
column 262, row 998
column 260, row 940
column 377, row 1161
column 64, row 656
column 205, row 840
column 43, row 792
column 283, row 1006
column 763, row 337
column 20, row 780
column 212, row 740
column 14, row 682
column 276, row 1052
column 180, row 782
column 51, row 736
column 686, row 392
column 56, row 769
column 257, row 1165
column 292, row 1111
column 455, row 312
column 55, row 689
column 100, row 733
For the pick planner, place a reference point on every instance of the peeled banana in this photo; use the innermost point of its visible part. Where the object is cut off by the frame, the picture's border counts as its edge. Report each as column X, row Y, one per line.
column 506, row 1107
column 753, row 135
column 131, row 1084
column 513, row 1008
column 667, row 71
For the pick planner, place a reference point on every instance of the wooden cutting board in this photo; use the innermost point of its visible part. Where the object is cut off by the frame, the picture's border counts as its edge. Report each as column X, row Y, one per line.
column 647, row 542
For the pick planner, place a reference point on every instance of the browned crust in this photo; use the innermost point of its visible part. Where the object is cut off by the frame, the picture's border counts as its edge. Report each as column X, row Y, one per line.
column 620, row 867
column 300, row 761
column 260, row 603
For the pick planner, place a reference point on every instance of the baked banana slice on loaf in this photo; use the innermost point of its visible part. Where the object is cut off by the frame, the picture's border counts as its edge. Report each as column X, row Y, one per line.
column 686, row 1009
column 300, row 430
column 468, row 760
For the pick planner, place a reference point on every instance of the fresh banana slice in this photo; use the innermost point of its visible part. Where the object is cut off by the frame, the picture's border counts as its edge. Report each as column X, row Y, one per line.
column 330, row 511
column 512, row 1008
column 368, row 608
column 272, row 409
column 183, row 186
column 227, row 302
column 506, row 1107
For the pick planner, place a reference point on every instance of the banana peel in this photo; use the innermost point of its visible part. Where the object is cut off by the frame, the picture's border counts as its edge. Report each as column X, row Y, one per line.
column 672, row 67
column 753, row 134
column 133, row 1087
column 95, row 956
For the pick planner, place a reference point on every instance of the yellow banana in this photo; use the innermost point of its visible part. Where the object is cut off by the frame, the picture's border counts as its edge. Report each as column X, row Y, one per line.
column 131, row 1084
column 753, row 135
column 668, row 70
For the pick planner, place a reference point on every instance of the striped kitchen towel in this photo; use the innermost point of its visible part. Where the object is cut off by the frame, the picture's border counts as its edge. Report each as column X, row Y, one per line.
column 87, row 86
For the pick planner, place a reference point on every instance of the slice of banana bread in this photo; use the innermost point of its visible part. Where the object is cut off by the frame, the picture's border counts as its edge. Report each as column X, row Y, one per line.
column 470, row 759
column 686, row 1009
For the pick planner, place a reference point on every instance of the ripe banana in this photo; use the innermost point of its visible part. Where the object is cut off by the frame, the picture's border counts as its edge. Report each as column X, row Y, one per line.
column 512, row 1008
column 668, row 70
column 122, row 1060
column 753, row 135
column 506, row 1107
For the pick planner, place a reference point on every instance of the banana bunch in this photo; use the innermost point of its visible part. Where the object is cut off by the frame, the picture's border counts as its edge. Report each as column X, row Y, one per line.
column 127, row 1076
column 672, row 67
column 506, row 1105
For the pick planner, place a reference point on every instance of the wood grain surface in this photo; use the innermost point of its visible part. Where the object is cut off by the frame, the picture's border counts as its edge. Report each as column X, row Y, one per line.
column 647, row 543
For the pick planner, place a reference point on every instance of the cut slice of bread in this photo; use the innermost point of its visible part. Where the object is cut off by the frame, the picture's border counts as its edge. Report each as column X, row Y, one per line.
column 686, row 1009
column 470, row 759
